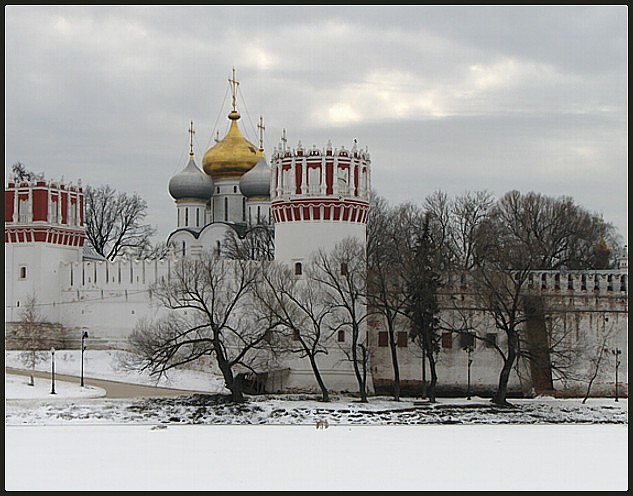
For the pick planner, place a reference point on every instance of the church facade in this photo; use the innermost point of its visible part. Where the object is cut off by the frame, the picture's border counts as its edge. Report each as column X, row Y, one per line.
column 315, row 198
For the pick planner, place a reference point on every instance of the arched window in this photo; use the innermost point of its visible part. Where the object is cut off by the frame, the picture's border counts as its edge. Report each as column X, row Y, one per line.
column 226, row 209
column 344, row 269
column 298, row 268
column 184, row 248
column 218, row 248
column 186, row 216
column 197, row 217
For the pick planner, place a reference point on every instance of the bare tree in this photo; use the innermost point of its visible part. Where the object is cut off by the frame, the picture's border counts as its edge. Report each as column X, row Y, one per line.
column 390, row 243
column 114, row 222
column 342, row 274
column 21, row 173
column 152, row 251
column 257, row 243
column 297, row 309
column 30, row 336
column 212, row 314
column 558, row 233
column 597, row 359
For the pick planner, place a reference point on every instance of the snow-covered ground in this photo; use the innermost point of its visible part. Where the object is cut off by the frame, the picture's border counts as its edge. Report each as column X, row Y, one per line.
column 78, row 440
column 107, row 364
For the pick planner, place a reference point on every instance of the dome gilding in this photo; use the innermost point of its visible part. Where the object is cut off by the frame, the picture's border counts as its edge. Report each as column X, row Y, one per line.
column 232, row 156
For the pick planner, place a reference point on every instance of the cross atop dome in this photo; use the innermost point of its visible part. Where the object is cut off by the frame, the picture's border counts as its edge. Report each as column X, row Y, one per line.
column 261, row 128
column 234, row 84
column 191, row 133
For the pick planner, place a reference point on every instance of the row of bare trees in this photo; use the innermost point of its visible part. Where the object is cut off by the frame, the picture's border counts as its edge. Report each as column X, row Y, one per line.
column 247, row 314
column 417, row 252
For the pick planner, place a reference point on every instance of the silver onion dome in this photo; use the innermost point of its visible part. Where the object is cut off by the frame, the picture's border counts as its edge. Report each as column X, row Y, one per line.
column 256, row 182
column 191, row 182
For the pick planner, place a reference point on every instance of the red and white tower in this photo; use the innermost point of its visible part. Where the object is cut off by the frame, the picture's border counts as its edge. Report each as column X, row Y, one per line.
column 43, row 226
column 318, row 198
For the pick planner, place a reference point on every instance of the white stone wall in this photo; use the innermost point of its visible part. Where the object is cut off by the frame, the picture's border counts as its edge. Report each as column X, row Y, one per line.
column 296, row 241
column 43, row 276
column 586, row 322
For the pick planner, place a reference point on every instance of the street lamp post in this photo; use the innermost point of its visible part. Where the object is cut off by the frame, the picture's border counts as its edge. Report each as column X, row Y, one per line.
column 84, row 335
column 469, row 350
column 53, row 371
column 617, row 352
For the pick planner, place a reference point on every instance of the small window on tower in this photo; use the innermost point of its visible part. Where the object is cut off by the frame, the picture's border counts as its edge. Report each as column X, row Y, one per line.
column 22, row 272
column 447, row 340
column 383, row 339
column 344, row 269
column 403, row 339
column 341, row 336
column 298, row 268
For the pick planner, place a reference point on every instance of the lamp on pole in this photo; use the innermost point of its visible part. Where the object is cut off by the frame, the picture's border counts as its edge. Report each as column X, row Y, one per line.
column 617, row 352
column 53, row 371
column 468, row 345
column 84, row 335
column 469, row 350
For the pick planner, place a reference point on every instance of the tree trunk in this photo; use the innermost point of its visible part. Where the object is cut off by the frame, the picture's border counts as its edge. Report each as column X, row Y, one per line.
column 500, row 397
column 433, row 369
column 424, row 391
column 394, row 363
column 233, row 383
column 236, row 390
column 317, row 375
column 359, row 377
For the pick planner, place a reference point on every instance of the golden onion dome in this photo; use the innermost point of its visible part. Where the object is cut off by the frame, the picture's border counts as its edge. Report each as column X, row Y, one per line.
column 232, row 156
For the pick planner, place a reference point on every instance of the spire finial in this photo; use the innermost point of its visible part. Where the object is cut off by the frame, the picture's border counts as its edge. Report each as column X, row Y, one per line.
column 261, row 128
column 191, row 133
column 234, row 84
column 283, row 138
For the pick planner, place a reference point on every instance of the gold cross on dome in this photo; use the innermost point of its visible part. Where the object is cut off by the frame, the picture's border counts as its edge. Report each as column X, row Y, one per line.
column 234, row 84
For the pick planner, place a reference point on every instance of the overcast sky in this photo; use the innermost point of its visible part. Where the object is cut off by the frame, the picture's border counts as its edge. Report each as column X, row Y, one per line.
column 444, row 98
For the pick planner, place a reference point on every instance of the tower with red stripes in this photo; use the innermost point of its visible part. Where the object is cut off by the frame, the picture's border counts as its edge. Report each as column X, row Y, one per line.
column 318, row 198
column 43, row 226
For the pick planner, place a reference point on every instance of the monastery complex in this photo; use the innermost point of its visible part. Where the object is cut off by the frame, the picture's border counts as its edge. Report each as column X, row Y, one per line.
column 315, row 198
